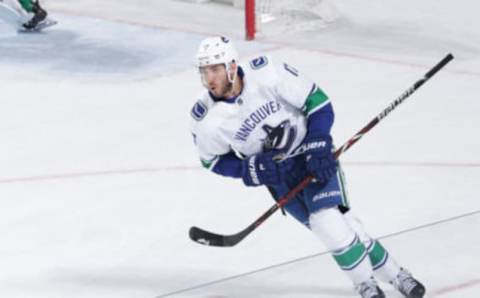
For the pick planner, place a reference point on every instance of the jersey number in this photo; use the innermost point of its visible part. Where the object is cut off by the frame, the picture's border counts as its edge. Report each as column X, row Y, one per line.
column 290, row 69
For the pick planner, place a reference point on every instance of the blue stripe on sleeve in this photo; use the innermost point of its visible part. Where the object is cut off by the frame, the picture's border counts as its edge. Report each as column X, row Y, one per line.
column 228, row 165
column 321, row 121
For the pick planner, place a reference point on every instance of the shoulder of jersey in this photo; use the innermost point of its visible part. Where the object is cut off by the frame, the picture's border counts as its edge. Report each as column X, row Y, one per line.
column 260, row 63
column 261, row 67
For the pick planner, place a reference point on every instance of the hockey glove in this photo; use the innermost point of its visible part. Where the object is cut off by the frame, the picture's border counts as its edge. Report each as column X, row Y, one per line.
column 319, row 158
column 262, row 169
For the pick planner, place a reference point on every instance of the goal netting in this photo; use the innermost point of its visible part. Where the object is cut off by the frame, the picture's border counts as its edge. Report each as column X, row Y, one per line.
column 280, row 16
column 274, row 17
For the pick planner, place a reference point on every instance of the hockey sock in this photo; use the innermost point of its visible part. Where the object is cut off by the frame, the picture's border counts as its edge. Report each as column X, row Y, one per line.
column 348, row 251
column 354, row 262
column 26, row 4
column 385, row 267
column 351, row 256
column 377, row 254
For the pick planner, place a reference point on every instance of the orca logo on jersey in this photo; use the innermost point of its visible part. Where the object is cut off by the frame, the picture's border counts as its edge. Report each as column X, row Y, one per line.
column 280, row 137
column 260, row 114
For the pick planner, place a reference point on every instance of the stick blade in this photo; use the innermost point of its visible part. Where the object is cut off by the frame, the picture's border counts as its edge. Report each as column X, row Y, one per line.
column 211, row 239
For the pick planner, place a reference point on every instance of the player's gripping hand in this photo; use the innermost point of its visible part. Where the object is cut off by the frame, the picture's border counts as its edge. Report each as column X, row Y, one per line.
column 265, row 169
column 319, row 158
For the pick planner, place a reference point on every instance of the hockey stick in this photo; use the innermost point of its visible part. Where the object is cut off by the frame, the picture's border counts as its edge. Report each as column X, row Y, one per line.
column 208, row 238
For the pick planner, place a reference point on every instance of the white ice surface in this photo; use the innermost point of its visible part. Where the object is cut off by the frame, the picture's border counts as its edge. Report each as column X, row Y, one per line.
column 100, row 182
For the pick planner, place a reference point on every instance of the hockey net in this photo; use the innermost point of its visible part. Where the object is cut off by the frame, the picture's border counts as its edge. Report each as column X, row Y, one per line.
column 275, row 17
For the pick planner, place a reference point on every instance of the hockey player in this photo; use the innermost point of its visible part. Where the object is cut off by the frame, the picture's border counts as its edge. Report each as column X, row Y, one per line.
column 267, row 124
column 24, row 15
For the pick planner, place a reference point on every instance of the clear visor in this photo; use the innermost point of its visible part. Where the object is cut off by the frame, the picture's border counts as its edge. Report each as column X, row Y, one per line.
column 216, row 69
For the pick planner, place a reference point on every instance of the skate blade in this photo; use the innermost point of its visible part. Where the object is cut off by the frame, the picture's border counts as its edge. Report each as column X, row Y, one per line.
column 42, row 25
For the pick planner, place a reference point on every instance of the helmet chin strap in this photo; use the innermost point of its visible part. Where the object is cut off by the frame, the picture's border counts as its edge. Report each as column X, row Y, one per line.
column 229, row 67
column 231, row 78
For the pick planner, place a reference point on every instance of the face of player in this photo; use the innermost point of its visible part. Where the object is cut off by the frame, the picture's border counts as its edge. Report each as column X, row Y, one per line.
column 215, row 79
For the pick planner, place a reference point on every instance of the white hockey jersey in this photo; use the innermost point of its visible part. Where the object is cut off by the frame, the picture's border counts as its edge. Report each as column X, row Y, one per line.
column 270, row 112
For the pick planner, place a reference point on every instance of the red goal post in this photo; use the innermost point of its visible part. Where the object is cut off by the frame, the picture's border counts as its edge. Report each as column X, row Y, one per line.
column 250, row 23
column 249, row 7
column 275, row 17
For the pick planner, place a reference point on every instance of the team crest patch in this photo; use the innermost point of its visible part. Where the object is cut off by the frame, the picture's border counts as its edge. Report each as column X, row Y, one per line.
column 259, row 62
column 199, row 111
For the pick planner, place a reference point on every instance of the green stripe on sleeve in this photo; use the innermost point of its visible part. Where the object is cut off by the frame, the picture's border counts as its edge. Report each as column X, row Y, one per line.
column 315, row 101
column 206, row 163
column 209, row 164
